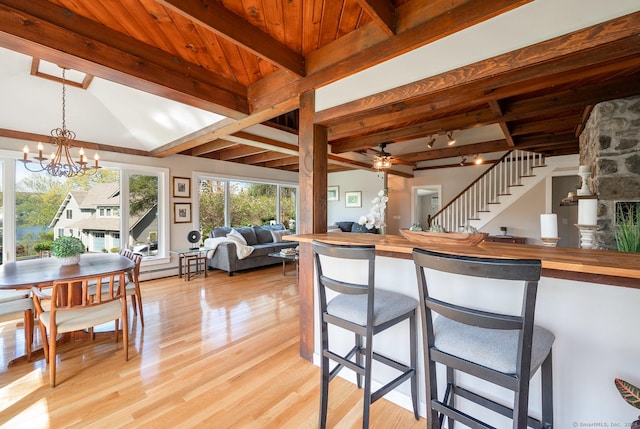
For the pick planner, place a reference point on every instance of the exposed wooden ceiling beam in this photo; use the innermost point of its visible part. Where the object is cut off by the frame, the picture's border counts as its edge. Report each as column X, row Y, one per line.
column 464, row 164
column 289, row 160
column 564, row 122
column 506, row 85
column 382, row 12
column 215, row 17
column 218, row 144
column 21, row 135
column 263, row 157
column 549, row 104
column 200, row 145
column 495, row 107
column 577, row 42
column 41, row 29
column 463, row 121
column 363, row 53
column 451, row 152
column 239, row 152
column 546, row 141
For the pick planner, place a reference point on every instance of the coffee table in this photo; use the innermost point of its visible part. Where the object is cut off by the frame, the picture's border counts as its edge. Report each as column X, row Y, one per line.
column 285, row 259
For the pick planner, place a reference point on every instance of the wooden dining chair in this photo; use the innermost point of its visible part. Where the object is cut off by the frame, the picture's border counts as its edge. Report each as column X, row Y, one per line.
column 133, row 283
column 15, row 304
column 132, row 288
column 70, row 306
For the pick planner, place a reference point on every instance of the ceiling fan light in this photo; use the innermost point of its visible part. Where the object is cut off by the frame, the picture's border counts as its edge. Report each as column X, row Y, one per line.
column 382, row 160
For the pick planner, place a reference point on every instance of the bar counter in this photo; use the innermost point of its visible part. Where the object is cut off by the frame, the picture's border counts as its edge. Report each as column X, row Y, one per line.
column 594, row 323
column 598, row 266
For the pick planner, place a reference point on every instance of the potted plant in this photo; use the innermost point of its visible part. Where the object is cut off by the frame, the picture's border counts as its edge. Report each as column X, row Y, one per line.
column 631, row 394
column 628, row 231
column 67, row 250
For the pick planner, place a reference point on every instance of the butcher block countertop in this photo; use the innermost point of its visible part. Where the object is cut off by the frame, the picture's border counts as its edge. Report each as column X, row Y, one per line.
column 596, row 266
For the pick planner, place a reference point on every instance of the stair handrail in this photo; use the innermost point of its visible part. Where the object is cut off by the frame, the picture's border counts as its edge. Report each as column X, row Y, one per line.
column 450, row 203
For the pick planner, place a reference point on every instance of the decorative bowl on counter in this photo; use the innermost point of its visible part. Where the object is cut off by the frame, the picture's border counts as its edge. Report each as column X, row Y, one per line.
column 446, row 238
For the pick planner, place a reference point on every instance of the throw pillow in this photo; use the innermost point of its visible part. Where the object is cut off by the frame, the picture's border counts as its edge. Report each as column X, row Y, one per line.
column 236, row 236
column 277, row 235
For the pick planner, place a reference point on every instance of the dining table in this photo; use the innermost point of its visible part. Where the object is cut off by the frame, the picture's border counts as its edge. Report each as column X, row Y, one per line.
column 42, row 272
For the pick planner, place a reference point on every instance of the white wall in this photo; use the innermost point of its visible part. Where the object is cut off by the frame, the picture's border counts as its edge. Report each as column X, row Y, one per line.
column 522, row 218
column 368, row 182
column 452, row 181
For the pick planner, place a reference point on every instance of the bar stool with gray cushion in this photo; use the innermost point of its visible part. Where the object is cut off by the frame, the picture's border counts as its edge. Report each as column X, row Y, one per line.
column 366, row 311
column 502, row 349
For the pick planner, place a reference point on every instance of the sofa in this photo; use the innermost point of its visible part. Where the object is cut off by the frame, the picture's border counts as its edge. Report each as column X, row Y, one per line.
column 264, row 240
column 350, row 226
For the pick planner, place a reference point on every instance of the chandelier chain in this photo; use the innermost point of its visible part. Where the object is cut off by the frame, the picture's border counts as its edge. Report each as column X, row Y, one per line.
column 61, row 163
column 64, row 98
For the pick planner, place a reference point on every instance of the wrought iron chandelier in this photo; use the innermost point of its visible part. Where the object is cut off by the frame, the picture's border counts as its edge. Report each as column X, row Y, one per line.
column 61, row 163
column 382, row 160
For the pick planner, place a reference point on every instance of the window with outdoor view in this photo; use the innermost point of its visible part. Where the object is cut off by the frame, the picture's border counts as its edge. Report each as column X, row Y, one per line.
column 143, row 214
column 87, row 207
column 240, row 203
column 211, row 194
column 252, row 203
column 288, row 207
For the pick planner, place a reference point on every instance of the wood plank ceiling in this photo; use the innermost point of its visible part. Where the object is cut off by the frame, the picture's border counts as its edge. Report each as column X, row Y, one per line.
column 250, row 59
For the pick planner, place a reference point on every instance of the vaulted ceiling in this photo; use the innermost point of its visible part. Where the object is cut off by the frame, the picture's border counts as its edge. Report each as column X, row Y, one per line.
column 249, row 60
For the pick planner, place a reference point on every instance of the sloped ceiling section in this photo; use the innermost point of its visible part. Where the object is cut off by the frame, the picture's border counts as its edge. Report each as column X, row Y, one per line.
column 105, row 112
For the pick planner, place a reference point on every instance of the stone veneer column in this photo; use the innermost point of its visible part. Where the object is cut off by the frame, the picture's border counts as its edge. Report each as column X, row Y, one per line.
column 610, row 145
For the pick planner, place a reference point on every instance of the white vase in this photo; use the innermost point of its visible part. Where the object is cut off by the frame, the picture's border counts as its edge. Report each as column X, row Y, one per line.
column 69, row 260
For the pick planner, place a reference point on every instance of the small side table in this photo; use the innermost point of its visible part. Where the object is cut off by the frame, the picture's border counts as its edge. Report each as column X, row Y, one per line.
column 191, row 262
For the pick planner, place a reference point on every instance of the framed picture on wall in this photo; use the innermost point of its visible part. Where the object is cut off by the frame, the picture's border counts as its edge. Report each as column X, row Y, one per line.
column 353, row 199
column 333, row 193
column 182, row 187
column 181, row 212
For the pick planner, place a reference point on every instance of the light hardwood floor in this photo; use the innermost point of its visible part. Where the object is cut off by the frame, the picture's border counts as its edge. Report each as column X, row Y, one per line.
column 220, row 352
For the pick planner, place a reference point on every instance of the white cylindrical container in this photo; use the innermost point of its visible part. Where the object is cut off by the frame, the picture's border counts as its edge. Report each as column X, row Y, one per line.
column 549, row 225
column 588, row 211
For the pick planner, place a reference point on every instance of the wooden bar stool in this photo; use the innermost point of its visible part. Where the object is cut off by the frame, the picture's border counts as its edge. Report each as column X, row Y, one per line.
column 365, row 311
column 489, row 344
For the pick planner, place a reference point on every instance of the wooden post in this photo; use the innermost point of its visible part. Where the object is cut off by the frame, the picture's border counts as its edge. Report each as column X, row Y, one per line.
column 312, row 142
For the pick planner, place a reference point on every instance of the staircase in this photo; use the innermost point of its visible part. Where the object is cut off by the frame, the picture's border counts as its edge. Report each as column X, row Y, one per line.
column 507, row 180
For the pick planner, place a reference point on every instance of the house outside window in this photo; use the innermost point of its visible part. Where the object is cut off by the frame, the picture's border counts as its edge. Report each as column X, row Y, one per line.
column 49, row 207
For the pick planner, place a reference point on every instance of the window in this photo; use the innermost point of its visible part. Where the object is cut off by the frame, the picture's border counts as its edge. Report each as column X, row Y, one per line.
column 88, row 207
column 143, row 213
column 288, row 207
column 252, row 203
column 241, row 203
column 212, row 203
